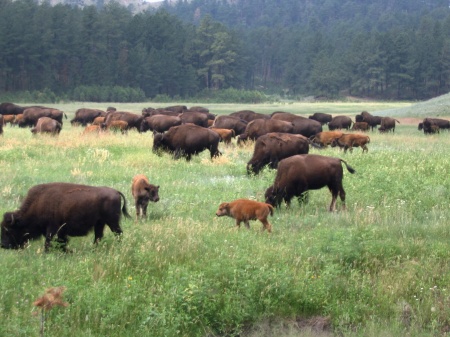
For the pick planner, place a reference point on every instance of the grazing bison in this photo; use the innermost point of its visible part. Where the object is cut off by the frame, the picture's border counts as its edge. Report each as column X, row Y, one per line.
column 64, row 210
column 360, row 126
column 197, row 118
column 89, row 129
column 85, row 116
column 11, row 119
column 350, row 140
column 31, row 116
column 225, row 134
column 186, row 140
column 47, row 125
column 230, row 122
column 159, row 123
column 116, row 126
column 143, row 192
column 301, row 173
column 433, row 125
column 387, row 124
column 249, row 115
column 8, row 108
column 340, row 122
column 133, row 120
column 244, row 210
column 325, row 138
column 373, row 121
column 302, row 126
column 273, row 147
column 321, row 117
column 259, row 127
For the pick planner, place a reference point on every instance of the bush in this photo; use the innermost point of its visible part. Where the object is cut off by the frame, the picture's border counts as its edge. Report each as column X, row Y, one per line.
column 107, row 94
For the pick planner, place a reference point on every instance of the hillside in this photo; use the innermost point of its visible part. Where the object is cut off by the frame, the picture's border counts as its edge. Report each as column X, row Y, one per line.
column 435, row 107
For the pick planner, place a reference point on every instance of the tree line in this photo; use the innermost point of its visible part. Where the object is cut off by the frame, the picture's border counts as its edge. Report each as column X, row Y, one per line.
column 197, row 48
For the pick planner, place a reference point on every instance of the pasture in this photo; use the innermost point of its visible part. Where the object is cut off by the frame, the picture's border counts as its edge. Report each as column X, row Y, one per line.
column 380, row 268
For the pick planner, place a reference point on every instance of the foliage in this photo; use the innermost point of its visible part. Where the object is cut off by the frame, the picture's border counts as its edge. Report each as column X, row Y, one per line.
column 381, row 266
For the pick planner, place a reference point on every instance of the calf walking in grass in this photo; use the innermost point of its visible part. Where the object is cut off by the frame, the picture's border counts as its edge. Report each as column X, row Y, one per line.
column 244, row 210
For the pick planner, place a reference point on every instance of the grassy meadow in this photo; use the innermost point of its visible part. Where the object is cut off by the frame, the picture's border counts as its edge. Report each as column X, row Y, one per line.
column 380, row 268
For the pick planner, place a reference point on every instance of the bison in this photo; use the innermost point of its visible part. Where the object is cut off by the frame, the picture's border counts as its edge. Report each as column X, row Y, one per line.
column 360, row 126
column 47, row 125
column 259, row 127
column 8, row 108
column 186, row 140
column 349, row 141
column 298, row 174
column 249, row 115
column 273, row 147
column 230, row 122
column 387, row 124
column 373, row 121
column 225, row 134
column 325, row 138
column 340, row 122
column 197, row 118
column 133, row 120
column 159, row 123
column 433, row 125
column 302, row 126
column 244, row 210
column 89, row 129
column 143, row 192
column 31, row 116
column 85, row 116
column 63, row 209
column 321, row 117
column 1, row 124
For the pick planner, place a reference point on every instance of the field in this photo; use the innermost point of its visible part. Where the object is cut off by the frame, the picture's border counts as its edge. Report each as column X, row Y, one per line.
column 380, row 268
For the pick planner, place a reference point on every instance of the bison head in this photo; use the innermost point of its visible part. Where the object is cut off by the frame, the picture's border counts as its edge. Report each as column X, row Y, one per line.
column 272, row 197
column 224, row 209
column 158, row 144
column 13, row 235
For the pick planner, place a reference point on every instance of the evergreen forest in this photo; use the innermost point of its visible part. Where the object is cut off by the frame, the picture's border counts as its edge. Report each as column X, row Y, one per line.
column 380, row 49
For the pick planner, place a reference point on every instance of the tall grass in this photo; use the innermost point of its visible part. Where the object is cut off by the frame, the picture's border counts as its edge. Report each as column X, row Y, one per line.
column 381, row 267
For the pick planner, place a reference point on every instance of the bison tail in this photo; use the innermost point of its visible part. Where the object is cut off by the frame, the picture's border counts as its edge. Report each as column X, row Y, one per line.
column 349, row 168
column 124, row 207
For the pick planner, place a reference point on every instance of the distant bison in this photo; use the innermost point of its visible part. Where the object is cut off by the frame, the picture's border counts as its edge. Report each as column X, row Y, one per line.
column 159, row 123
column 349, row 140
column 249, row 115
column 244, row 210
column 143, row 192
column 273, row 147
column 194, row 117
column 89, row 129
column 340, row 122
column 259, row 127
column 134, row 121
column 387, row 124
column 301, row 173
column 433, row 125
column 64, row 210
column 230, row 122
column 31, row 116
column 47, row 125
column 360, row 126
column 302, row 125
column 186, row 140
column 321, row 117
column 225, row 134
column 373, row 121
column 85, row 116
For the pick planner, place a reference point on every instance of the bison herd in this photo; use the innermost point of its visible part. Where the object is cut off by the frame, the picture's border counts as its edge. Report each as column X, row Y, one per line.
column 281, row 141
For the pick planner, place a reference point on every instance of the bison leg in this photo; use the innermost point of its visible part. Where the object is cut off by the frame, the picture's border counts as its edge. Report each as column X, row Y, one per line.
column 364, row 148
column 247, row 224
column 266, row 225
column 238, row 223
column 98, row 232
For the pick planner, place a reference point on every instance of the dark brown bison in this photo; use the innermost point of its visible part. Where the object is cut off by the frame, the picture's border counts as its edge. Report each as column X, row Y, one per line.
column 85, row 116
column 159, row 123
column 387, row 124
column 186, row 140
column 273, row 147
column 244, row 210
column 143, row 192
column 199, row 109
column 433, row 125
column 249, row 115
column 298, row 174
column 8, row 108
column 230, row 122
column 197, row 118
column 148, row 112
column 372, row 120
column 321, row 117
column 177, row 108
column 47, row 125
column 350, row 140
column 134, row 121
column 64, row 210
column 1, row 124
column 31, row 115
column 325, row 138
column 259, row 127
column 302, row 125
column 340, row 122
column 360, row 126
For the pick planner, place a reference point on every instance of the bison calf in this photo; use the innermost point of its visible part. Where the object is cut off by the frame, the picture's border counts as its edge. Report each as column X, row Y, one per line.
column 244, row 210
column 349, row 141
column 143, row 192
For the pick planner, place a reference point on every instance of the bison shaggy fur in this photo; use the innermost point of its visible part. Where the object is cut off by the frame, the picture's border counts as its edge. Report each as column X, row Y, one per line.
column 143, row 192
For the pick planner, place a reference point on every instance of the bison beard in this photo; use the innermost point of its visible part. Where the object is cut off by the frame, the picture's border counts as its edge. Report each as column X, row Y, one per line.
column 298, row 174
column 64, row 210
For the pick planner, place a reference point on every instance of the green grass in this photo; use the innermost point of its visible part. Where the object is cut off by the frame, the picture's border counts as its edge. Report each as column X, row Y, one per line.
column 380, row 268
